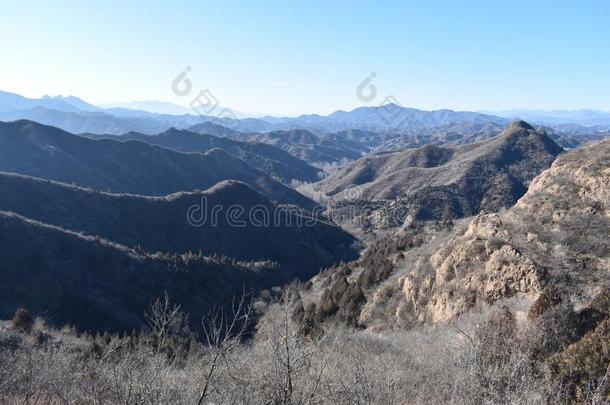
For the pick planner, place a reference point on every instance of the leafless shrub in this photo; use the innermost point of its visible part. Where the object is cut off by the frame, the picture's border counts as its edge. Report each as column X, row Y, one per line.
column 483, row 358
column 23, row 320
column 222, row 335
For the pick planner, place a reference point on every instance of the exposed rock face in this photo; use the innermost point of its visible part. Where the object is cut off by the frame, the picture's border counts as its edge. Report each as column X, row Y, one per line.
column 473, row 269
column 557, row 235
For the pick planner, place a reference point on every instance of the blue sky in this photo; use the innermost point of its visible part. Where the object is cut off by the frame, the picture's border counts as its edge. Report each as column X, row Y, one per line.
column 288, row 57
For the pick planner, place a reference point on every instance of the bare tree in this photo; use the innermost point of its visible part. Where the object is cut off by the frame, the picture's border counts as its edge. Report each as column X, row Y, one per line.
column 160, row 316
column 222, row 333
column 297, row 362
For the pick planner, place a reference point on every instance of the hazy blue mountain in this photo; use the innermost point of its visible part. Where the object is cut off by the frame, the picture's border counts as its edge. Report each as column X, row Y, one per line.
column 388, row 116
column 73, row 101
column 75, row 115
column 161, row 107
column 113, row 122
column 584, row 117
column 11, row 102
column 84, row 121
column 448, row 134
column 155, row 107
column 176, row 121
column 570, row 136
column 397, row 117
column 69, row 113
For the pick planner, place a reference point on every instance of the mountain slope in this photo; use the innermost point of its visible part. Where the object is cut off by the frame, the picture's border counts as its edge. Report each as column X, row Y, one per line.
column 433, row 183
column 552, row 247
column 308, row 146
column 273, row 161
column 262, row 231
column 94, row 284
column 555, row 237
column 131, row 167
column 444, row 135
column 210, row 128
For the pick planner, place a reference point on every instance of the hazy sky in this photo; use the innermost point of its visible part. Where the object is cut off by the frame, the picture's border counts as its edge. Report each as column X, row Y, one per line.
column 289, row 57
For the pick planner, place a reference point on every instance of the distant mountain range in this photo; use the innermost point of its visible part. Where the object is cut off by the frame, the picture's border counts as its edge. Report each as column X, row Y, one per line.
column 379, row 118
column 13, row 102
column 155, row 107
column 77, row 116
column 587, row 118
column 161, row 107
column 150, row 117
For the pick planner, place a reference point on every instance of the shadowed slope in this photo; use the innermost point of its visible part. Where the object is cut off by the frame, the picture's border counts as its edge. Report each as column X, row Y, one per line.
column 268, row 158
column 230, row 219
column 132, row 167
column 99, row 285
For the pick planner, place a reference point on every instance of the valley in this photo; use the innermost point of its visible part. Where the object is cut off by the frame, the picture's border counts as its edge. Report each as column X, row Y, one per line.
column 305, row 203
column 453, row 232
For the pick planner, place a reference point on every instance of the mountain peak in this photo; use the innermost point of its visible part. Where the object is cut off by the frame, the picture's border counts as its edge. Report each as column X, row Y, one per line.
column 520, row 124
column 412, row 176
column 519, row 129
column 522, row 133
column 174, row 131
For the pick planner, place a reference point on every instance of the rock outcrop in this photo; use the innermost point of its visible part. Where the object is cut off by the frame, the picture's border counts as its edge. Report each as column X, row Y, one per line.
column 557, row 235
